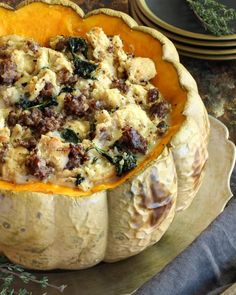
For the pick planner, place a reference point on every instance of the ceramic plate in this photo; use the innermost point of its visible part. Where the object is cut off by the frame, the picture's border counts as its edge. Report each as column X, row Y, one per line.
column 179, row 38
column 126, row 276
column 177, row 17
column 183, row 49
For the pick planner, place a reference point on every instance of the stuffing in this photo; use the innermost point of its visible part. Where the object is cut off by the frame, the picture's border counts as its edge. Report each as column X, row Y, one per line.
column 71, row 113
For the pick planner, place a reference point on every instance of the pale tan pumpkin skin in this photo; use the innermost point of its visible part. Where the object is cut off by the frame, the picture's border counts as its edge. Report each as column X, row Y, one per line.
column 49, row 225
column 44, row 232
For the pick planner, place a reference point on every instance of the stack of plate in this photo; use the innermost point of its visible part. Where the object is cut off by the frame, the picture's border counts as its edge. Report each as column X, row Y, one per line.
column 176, row 20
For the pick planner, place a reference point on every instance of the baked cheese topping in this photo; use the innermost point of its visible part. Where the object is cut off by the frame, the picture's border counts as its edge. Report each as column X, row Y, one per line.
column 80, row 113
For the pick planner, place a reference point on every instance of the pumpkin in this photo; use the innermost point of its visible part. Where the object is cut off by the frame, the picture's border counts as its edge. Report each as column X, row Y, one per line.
column 45, row 226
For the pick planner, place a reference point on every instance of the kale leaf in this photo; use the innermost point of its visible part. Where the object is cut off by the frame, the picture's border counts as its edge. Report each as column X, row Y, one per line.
column 67, row 89
column 70, row 136
column 76, row 44
column 25, row 103
column 123, row 162
column 84, row 68
column 119, row 145
column 79, row 179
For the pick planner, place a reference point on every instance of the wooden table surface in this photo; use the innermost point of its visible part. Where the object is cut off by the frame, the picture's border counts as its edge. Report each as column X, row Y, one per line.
column 88, row 5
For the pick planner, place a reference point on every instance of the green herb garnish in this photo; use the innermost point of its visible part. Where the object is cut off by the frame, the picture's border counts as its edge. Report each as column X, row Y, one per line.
column 119, row 145
column 113, row 110
column 94, row 160
column 9, row 272
column 84, row 68
column 70, row 136
column 214, row 16
column 123, row 162
column 26, row 104
column 67, row 89
column 79, row 179
column 76, row 44
column 105, row 155
column 52, row 101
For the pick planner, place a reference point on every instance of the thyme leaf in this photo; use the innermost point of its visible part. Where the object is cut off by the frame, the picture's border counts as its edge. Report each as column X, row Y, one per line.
column 26, row 104
column 9, row 272
column 105, row 154
column 94, row 160
column 214, row 16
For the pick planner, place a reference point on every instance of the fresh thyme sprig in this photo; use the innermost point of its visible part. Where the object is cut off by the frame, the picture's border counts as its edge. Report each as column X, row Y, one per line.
column 9, row 271
column 124, row 161
column 214, row 16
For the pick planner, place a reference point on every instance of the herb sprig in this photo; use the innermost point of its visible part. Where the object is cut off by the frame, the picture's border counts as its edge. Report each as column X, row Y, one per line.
column 9, row 272
column 124, row 162
column 26, row 104
column 214, row 16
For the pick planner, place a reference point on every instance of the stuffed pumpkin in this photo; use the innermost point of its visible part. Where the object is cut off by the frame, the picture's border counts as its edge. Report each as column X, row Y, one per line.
column 103, row 135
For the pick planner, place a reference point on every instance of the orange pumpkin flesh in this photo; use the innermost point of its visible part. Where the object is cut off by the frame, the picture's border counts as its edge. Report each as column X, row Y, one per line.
column 41, row 21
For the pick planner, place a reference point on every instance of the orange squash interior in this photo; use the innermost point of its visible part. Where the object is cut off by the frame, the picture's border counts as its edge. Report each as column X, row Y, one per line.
column 41, row 21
